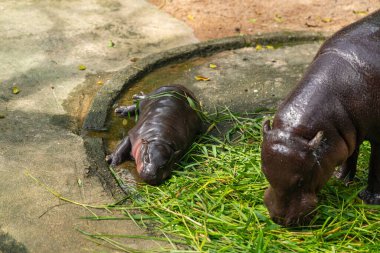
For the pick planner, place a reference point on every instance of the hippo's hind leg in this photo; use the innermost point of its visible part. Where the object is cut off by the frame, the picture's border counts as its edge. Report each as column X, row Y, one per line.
column 348, row 169
column 371, row 195
column 126, row 111
column 121, row 154
column 130, row 110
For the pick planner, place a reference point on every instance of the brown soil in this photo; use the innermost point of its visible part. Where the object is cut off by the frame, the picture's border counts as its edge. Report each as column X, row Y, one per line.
column 217, row 19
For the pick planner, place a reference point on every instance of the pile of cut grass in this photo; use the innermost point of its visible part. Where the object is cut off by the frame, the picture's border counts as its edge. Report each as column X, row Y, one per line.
column 214, row 202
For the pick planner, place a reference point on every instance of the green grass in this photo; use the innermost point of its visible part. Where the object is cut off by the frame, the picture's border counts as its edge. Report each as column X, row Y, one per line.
column 214, row 202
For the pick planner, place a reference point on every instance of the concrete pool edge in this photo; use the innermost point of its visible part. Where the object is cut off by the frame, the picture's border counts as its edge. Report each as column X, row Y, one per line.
column 105, row 98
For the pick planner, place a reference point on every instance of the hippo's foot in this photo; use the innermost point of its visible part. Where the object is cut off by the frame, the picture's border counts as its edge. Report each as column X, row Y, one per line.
column 109, row 159
column 126, row 111
column 369, row 197
column 138, row 96
column 113, row 160
column 344, row 175
column 121, row 154
column 347, row 171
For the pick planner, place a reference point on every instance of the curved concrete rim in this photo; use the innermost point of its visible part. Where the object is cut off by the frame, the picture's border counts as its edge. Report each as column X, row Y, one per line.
column 105, row 98
column 108, row 94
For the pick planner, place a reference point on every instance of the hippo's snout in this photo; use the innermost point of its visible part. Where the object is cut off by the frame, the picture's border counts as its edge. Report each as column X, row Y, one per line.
column 290, row 211
column 155, row 162
column 152, row 175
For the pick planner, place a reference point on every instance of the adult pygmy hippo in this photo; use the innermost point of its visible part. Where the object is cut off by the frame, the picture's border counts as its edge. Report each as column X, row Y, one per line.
column 322, row 123
column 167, row 125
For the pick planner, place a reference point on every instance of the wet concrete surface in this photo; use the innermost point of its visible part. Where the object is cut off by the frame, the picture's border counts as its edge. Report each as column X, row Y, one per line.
column 244, row 80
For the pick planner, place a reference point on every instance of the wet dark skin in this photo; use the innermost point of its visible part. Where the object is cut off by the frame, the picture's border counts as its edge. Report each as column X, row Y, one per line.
column 166, row 127
column 321, row 124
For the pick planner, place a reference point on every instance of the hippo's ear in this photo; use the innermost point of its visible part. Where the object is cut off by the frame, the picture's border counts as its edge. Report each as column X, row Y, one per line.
column 316, row 141
column 266, row 126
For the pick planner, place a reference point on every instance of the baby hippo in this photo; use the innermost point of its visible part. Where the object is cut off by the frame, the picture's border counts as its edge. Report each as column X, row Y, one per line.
column 322, row 123
column 168, row 123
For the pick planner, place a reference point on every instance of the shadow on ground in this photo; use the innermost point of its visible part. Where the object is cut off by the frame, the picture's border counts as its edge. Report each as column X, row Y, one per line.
column 10, row 245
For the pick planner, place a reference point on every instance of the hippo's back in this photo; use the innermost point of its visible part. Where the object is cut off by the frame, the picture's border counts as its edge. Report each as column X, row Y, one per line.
column 168, row 114
column 359, row 44
column 341, row 88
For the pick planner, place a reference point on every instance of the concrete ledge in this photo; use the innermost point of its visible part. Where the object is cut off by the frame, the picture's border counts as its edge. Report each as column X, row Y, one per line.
column 98, row 166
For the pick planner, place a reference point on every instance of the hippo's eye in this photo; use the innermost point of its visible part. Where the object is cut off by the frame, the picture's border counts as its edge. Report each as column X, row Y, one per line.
column 146, row 158
column 145, row 153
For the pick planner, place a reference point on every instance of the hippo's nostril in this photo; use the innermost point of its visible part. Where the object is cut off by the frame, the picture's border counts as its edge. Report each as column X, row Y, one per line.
column 300, row 220
column 151, row 175
column 281, row 221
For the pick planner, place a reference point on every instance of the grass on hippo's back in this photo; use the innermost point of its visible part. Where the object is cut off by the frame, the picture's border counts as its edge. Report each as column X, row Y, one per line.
column 214, row 203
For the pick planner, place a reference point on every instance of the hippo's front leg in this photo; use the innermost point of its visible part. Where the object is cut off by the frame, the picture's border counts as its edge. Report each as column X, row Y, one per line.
column 121, row 154
column 371, row 195
column 348, row 170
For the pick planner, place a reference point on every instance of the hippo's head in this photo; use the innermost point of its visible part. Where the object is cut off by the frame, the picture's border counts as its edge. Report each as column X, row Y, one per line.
column 155, row 161
column 291, row 165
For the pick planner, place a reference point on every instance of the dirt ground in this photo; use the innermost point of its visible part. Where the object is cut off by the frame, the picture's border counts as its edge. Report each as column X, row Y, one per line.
column 217, row 19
